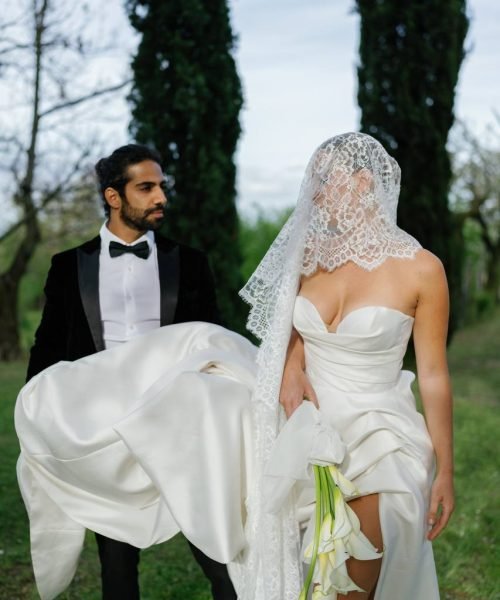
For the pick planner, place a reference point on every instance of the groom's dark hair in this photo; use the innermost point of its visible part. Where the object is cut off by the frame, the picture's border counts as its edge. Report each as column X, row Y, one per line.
column 112, row 170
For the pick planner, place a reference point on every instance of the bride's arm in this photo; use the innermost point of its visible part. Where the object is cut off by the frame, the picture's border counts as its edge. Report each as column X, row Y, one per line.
column 295, row 386
column 429, row 335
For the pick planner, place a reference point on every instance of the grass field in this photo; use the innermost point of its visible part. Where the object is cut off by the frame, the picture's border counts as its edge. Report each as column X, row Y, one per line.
column 467, row 554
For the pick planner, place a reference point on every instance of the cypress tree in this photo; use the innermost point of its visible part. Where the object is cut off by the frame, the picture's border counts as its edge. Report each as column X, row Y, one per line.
column 410, row 55
column 186, row 98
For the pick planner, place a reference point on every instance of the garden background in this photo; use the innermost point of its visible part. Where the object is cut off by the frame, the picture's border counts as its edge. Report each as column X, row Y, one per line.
column 79, row 79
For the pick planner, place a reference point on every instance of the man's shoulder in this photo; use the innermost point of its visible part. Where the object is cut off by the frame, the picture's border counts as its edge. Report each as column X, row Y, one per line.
column 70, row 253
column 185, row 252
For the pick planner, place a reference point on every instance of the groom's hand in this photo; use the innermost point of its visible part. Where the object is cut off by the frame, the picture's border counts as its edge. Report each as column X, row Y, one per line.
column 295, row 386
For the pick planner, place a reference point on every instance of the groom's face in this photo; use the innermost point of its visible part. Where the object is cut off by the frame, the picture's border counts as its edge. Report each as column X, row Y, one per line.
column 144, row 198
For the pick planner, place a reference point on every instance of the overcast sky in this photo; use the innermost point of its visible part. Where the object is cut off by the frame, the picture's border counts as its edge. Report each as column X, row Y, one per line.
column 297, row 61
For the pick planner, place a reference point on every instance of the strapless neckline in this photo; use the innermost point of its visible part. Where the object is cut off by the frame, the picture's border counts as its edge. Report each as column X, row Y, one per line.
column 352, row 312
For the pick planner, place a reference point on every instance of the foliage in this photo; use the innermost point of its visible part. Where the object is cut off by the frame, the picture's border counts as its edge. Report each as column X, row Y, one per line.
column 66, row 223
column 467, row 554
column 410, row 56
column 476, row 301
column 475, row 196
column 256, row 236
column 186, row 99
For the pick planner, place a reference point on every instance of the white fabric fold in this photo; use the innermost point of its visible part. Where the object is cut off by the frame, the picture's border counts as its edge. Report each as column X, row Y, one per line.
column 303, row 441
column 158, row 436
column 389, row 451
column 138, row 443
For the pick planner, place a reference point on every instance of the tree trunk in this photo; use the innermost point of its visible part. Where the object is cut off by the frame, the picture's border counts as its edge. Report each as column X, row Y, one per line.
column 10, row 347
column 493, row 270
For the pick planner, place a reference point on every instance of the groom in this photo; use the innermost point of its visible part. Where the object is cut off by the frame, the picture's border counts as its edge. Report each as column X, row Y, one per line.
column 121, row 284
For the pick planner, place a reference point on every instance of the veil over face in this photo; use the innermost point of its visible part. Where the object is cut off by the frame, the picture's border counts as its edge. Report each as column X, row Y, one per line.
column 350, row 195
column 346, row 211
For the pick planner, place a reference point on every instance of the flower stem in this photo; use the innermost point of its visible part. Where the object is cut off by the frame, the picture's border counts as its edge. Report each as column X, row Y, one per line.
column 317, row 528
column 325, row 488
column 331, row 488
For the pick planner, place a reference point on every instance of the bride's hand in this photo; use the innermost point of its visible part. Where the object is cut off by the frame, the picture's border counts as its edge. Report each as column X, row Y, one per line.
column 295, row 388
column 441, row 505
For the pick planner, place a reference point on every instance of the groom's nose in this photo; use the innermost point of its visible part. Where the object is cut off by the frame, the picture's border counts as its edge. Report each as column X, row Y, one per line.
column 160, row 197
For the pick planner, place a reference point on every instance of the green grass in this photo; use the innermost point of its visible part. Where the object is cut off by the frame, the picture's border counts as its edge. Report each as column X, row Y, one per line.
column 467, row 554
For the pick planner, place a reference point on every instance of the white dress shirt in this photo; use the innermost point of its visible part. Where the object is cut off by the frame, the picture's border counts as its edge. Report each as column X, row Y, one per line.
column 129, row 290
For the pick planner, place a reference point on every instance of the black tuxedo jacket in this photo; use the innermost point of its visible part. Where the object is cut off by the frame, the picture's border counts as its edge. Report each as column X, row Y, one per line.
column 71, row 321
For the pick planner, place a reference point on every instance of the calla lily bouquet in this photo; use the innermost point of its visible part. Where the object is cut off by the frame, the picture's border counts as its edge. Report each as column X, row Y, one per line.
column 337, row 536
column 334, row 533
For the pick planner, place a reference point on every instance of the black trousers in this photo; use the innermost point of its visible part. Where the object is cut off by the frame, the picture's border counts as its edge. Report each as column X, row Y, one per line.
column 120, row 574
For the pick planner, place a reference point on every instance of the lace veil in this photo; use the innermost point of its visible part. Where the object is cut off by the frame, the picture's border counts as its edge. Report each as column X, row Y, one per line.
column 346, row 211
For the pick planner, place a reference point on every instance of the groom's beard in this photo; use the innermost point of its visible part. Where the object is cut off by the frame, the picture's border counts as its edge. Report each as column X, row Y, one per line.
column 141, row 220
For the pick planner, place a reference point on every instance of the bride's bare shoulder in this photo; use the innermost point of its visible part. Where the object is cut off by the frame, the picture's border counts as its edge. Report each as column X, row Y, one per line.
column 430, row 279
column 427, row 264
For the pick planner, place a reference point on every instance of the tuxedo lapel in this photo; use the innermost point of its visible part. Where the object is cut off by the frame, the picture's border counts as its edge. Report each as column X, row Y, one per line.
column 168, row 266
column 88, row 282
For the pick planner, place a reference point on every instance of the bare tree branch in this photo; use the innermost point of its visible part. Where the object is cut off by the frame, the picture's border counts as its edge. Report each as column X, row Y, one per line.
column 85, row 98
column 64, row 186
column 44, row 54
column 13, row 48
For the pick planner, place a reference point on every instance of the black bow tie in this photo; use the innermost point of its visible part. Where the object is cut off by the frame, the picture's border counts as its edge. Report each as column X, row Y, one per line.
column 141, row 250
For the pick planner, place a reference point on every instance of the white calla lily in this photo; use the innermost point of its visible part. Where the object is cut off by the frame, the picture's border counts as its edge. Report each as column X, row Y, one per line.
column 360, row 547
column 344, row 522
column 325, row 570
column 326, row 535
column 337, row 536
column 348, row 489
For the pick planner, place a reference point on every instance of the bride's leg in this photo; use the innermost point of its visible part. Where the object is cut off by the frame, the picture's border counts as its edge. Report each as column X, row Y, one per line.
column 365, row 572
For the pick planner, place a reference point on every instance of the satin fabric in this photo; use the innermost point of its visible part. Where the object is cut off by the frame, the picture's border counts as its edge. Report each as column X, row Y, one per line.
column 365, row 396
column 138, row 443
column 155, row 437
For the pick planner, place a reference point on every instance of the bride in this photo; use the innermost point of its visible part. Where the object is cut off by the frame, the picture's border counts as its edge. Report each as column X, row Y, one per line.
column 199, row 442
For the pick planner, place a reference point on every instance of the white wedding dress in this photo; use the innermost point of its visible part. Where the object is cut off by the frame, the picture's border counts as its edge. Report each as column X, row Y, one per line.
column 364, row 394
column 155, row 437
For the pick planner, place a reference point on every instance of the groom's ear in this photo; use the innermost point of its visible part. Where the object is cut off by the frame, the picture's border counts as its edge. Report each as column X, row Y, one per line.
column 112, row 198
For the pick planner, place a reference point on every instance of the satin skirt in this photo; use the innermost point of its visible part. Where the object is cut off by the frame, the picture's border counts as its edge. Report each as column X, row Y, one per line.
column 138, row 443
